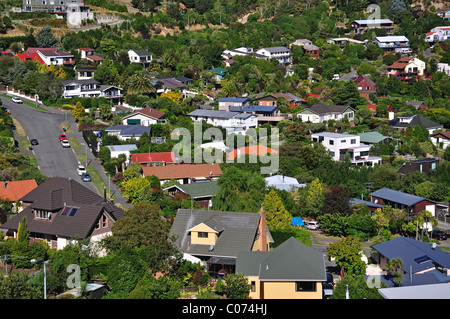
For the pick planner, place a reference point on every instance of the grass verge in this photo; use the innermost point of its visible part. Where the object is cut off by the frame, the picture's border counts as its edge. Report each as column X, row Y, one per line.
column 30, row 104
column 97, row 180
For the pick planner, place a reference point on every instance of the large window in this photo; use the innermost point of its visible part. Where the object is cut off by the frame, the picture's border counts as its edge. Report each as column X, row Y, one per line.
column 202, row 234
column 305, row 286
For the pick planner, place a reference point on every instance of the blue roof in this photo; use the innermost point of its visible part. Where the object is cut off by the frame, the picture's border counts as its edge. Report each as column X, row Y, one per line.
column 254, row 108
column 233, row 99
column 129, row 130
column 398, row 197
column 416, row 255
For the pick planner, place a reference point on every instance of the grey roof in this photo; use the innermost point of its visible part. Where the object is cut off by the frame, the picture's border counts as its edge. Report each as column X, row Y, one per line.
column 417, row 120
column 129, row 130
column 374, row 21
column 141, row 52
column 356, row 201
column 276, row 49
column 290, row 261
column 398, row 197
column 325, row 109
column 233, row 99
column 238, row 231
column 409, row 250
column 218, row 114
column 283, row 182
column 198, row 189
column 122, row 148
column 54, row 195
column 434, row 291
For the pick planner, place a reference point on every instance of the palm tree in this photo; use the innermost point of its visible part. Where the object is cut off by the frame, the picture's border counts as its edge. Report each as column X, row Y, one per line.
column 141, row 84
column 425, row 218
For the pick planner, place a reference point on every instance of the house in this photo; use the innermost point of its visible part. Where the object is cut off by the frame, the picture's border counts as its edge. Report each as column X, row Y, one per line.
column 140, row 56
column 61, row 210
column 217, row 237
column 402, row 122
column 91, row 88
column 423, row 263
column 183, row 173
column 283, row 182
column 266, row 114
column 438, row 34
column 301, row 42
column 176, row 84
column 53, row 56
column 443, row 67
column 444, row 14
column 251, row 150
column 86, row 73
column 62, row 9
column 89, row 54
column 154, row 159
column 146, row 116
column 201, row 192
column 394, row 44
column 272, row 99
column 226, row 102
column 420, row 292
column 390, row 110
column 341, row 42
column 292, row 270
column 365, row 86
column 411, row 203
column 342, row 145
column 418, row 105
column 233, row 122
column 281, row 54
column 116, row 150
column 308, row 46
column 319, row 113
column 13, row 191
column 441, row 139
column 407, row 68
column 371, row 206
column 425, row 165
column 126, row 132
column 27, row 56
column 360, row 26
column 219, row 72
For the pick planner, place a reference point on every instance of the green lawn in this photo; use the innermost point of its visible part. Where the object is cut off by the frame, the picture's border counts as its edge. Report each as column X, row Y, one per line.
column 97, row 180
column 74, row 143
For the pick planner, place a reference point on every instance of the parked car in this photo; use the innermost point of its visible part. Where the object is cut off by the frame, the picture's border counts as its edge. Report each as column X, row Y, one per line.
column 439, row 234
column 85, row 177
column 65, row 143
column 34, row 141
column 16, row 100
column 81, row 169
column 312, row 225
column 62, row 137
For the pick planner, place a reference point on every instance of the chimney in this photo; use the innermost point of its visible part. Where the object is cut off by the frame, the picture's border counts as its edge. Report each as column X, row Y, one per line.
column 4, row 184
column 104, row 194
column 262, row 230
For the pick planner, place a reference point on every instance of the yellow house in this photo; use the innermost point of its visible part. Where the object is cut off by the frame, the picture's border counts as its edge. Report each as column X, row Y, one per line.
column 290, row 271
column 216, row 237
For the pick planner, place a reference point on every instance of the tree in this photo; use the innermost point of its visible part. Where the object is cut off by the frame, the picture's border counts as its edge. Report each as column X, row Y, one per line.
column 17, row 286
column 394, row 266
column 315, row 198
column 45, row 38
column 357, row 288
column 78, row 112
column 237, row 286
column 132, row 188
column 277, row 216
column 347, row 253
column 141, row 84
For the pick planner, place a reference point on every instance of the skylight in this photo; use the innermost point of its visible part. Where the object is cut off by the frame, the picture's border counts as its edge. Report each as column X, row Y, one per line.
column 423, row 259
column 69, row 211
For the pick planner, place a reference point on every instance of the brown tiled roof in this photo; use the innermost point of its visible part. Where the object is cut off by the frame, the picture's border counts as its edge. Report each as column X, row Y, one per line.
column 183, row 171
column 54, row 195
column 14, row 190
column 148, row 111
column 400, row 64
column 445, row 134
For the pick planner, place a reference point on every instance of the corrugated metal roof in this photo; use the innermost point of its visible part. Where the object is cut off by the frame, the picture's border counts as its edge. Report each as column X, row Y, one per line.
column 397, row 196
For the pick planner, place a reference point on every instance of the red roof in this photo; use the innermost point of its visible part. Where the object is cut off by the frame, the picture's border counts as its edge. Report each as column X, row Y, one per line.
column 14, row 190
column 180, row 171
column 400, row 64
column 29, row 56
column 148, row 111
column 165, row 157
column 312, row 95
column 251, row 150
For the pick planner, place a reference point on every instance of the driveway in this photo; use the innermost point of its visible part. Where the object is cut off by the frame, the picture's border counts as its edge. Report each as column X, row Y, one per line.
column 54, row 160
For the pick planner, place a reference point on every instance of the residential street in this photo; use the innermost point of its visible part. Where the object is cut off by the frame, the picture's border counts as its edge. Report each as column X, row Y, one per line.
column 52, row 158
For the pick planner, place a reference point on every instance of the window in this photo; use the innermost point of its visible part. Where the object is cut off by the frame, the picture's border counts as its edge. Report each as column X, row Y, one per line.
column 332, row 154
column 353, row 141
column 202, row 234
column 343, row 141
column 331, row 142
column 42, row 214
column 253, row 286
column 104, row 221
column 305, row 286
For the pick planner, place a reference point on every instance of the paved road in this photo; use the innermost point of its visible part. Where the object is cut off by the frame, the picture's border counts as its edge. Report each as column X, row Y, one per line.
column 53, row 159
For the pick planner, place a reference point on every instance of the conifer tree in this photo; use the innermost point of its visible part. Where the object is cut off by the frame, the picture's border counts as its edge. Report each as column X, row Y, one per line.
column 277, row 216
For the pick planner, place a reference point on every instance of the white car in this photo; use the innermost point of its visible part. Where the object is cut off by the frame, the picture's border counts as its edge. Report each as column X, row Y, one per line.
column 81, row 170
column 65, row 143
column 313, row 225
column 16, row 100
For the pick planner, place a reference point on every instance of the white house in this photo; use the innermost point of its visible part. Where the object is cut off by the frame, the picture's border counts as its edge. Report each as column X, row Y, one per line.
column 319, row 113
column 438, row 34
column 233, row 122
column 396, row 44
column 116, row 150
column 444, row 67
column 281, row 54
column 406, row 68
column 91, row 88
column 140, row 56
column 146, row 116
column 341, row 145
column 53, row 56
column 86, row 72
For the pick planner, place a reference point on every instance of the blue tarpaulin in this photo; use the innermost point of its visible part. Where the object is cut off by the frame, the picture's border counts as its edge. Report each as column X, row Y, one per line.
column 297, row 221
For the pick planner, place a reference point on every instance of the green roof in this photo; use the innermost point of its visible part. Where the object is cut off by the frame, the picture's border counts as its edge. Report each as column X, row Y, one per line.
column 219, row 71
column 372, row 137
column 199, row 189
column 290, row 261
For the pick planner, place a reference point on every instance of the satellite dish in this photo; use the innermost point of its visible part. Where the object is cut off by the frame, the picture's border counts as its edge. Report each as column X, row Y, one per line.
column 433, row 246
